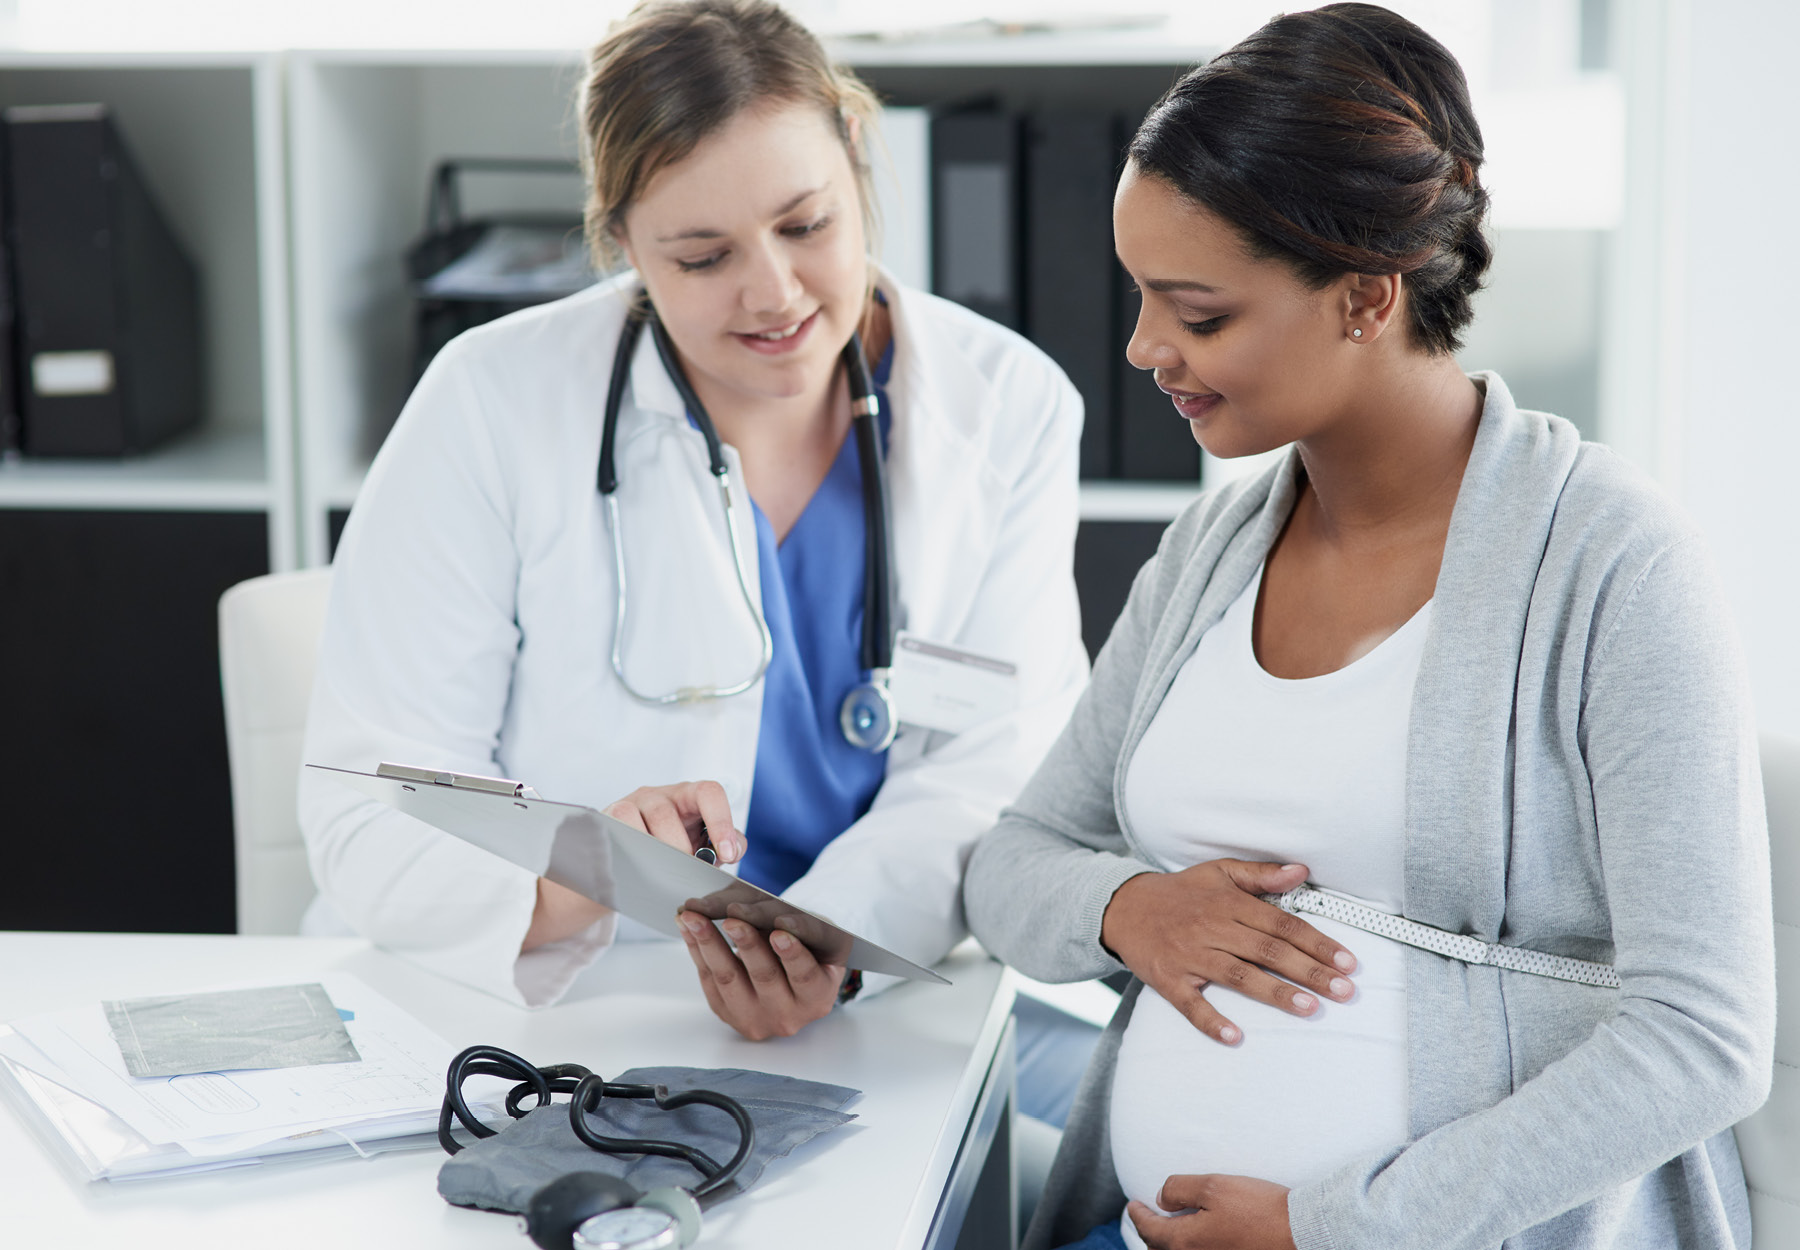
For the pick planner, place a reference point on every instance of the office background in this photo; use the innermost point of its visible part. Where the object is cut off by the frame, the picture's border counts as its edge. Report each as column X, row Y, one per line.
column 1641, row 162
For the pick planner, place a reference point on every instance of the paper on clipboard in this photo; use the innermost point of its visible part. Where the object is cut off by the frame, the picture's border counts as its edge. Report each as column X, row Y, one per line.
column 608, row 861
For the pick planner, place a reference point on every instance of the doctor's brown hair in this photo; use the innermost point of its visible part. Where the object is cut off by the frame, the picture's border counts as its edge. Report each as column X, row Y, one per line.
column 1339, row 141
column 674, row 71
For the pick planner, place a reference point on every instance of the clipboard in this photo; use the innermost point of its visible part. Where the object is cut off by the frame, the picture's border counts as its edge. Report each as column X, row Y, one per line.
column 608, row 861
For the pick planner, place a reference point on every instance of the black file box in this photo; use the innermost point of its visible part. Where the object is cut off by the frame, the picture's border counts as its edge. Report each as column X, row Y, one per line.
column 1070, row 167
column 9, row 345
column 108, row 303
column 975, row 218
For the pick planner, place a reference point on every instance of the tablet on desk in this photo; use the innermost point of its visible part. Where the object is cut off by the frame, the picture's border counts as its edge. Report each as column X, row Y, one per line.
column 607, row 860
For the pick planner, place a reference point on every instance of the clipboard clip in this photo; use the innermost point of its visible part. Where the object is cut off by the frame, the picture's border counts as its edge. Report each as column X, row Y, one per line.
column 457, row 781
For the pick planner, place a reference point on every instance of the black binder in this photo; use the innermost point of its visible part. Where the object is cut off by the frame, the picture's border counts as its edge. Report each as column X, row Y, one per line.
column 109, row 305
column 9, row 370
column 975, row 219
column 1156, row 444
column 1070, row 169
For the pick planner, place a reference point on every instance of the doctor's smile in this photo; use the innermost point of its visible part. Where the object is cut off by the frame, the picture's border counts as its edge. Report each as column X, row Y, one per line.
column 780, row 339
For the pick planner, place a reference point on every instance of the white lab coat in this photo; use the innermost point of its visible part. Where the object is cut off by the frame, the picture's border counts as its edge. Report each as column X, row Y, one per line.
column 472, row 607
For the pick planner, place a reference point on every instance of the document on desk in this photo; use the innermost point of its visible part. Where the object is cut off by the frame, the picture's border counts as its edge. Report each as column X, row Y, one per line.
column 397, row 1080
column 608, row 861
column 269, row 1026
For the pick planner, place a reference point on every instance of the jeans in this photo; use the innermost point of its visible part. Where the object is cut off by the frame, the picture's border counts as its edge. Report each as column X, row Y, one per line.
column 1102, row 1237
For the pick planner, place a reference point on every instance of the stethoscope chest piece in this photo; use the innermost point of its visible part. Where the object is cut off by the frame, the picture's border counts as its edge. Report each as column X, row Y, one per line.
column 867, row 714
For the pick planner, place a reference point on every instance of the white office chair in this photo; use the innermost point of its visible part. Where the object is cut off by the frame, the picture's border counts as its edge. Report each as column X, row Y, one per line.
column 1770, row 1139
column 269, row 631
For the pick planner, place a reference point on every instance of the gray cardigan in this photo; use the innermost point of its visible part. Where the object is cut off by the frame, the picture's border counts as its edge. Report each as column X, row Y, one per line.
column 1581, row 779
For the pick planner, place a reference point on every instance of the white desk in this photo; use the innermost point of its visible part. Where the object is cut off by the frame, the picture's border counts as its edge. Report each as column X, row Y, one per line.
column 933, row 1062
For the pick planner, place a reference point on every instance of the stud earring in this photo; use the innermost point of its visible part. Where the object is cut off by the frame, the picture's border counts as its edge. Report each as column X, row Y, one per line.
column 1356, row 333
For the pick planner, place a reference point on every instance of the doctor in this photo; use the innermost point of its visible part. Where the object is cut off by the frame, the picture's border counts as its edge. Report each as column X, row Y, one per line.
column 476, row 624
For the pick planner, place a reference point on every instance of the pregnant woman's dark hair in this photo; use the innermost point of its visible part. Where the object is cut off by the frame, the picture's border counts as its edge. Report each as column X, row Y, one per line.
column 1339, row 140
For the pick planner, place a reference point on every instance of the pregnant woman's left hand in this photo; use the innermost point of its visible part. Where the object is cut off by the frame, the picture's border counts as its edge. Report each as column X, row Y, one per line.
column 1217, row 1213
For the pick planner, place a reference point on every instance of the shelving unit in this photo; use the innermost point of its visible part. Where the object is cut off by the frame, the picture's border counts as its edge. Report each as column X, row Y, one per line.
column 366, row 130
column 1152, row 45
column 208, row 133
column 1135, row 501
column 111, row 668
column 217, row 470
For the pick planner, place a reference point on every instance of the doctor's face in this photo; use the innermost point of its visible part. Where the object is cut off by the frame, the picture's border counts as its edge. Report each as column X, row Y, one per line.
column 752, row 250
column 1251, row 356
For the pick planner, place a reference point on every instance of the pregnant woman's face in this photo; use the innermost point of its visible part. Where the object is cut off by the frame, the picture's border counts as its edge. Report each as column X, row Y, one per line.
column 1252, row 356
column 752, row 250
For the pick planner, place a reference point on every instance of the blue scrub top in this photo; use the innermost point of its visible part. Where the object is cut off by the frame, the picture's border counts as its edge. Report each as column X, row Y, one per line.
column 810, row 784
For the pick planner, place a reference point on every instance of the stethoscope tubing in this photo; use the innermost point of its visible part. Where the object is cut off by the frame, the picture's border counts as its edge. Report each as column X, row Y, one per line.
column 586, row 1089
column 593, row 1088
column 686, row 694
column 865, row 410
column 877, row 641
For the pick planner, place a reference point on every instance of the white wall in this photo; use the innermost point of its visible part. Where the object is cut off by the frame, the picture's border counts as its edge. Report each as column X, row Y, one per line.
column 1737, row 318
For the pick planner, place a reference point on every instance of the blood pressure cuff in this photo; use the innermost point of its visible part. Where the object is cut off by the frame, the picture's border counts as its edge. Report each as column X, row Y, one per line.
column 502, row 1172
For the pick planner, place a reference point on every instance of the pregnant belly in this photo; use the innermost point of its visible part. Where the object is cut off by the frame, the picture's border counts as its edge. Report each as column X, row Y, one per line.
column 1292, row 1102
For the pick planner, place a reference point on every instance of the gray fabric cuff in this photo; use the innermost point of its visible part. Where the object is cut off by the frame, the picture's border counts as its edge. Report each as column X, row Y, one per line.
column 1306, row 1220
column 502, row 1172
column 1109, row 874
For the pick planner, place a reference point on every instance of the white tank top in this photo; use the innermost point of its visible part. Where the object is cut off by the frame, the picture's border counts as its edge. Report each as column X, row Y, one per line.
column 1238, row 764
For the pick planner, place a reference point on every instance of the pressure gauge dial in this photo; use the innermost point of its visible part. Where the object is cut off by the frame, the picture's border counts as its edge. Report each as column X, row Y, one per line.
column 629, row 1228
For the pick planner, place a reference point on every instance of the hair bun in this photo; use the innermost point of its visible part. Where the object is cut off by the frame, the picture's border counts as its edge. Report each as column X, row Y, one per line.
column 1340, row 140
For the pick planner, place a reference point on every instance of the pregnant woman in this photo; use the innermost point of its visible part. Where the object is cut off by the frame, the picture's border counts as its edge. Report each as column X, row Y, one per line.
column 1449, row 682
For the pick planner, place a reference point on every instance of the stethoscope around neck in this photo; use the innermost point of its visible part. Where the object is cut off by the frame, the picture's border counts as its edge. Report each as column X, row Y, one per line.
column 866, row 715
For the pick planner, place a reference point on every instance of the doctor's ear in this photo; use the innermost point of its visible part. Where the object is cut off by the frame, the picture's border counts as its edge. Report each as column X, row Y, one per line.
column 623, row 243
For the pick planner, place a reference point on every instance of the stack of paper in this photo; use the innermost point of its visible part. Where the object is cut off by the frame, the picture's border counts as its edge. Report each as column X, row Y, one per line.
column 70, row 1078
column 517, row 262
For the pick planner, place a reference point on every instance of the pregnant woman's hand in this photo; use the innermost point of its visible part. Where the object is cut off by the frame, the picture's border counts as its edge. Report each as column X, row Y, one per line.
column 1182, row 931
column 1216, row 1213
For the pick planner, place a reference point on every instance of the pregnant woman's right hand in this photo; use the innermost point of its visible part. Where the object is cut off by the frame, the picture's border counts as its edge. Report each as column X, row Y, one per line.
column 1182, row 931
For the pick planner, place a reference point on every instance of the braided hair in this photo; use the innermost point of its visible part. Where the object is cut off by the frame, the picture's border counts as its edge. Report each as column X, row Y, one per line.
column 1339, row 141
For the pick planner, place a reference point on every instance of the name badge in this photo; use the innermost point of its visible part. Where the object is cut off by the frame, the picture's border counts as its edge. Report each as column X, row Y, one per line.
column 941, row 687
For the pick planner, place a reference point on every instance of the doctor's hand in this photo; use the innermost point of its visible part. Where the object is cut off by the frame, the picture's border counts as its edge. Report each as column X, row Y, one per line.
column 1215, row 1213
column 682, row 815
column 1182, row 931
column 772, row 986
